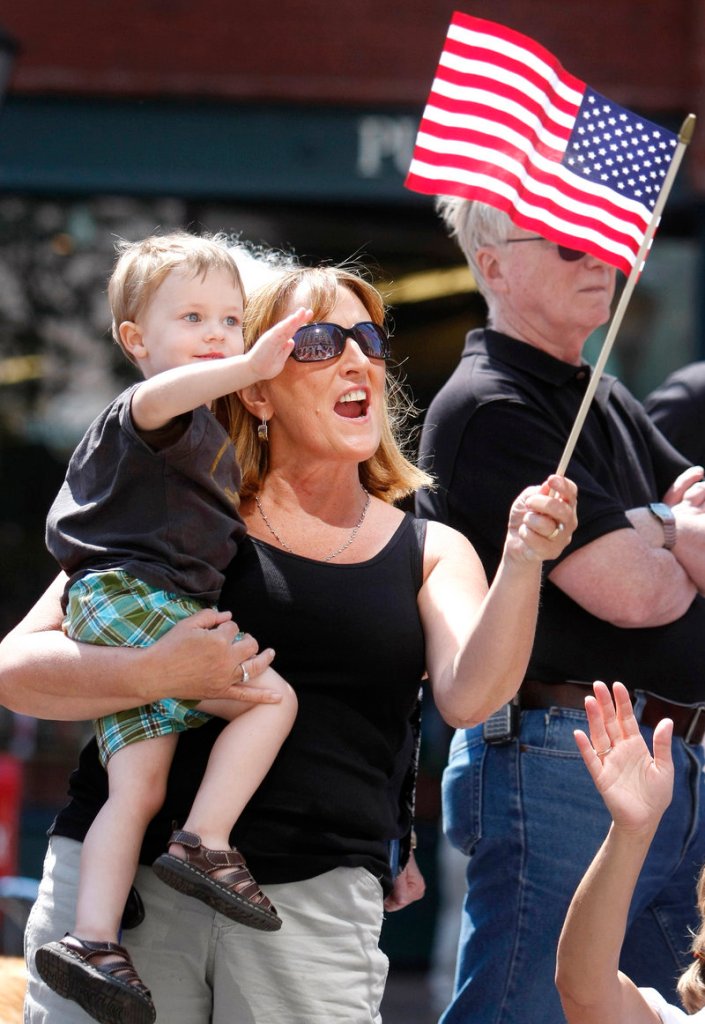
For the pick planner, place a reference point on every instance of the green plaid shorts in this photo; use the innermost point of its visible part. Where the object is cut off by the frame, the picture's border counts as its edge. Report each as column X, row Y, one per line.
column 115, row 609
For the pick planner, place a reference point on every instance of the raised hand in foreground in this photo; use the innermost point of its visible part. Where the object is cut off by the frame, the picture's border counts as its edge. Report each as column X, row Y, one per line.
column 636, row 788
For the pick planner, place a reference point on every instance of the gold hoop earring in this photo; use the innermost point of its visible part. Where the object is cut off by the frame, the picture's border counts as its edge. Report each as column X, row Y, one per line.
column 263, row 432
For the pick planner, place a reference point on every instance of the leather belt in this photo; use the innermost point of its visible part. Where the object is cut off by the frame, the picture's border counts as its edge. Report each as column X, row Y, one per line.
column 688, row 722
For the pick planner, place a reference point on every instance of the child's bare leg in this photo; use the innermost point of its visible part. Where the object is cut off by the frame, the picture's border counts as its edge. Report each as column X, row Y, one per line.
column 103, row 981
column 241, row 757
column 137, row 777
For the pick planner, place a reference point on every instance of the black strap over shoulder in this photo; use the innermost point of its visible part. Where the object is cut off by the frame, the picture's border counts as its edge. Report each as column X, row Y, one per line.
column 420, row 531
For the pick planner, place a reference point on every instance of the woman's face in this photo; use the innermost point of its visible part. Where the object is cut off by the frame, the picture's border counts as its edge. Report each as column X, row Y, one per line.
column 329, row 410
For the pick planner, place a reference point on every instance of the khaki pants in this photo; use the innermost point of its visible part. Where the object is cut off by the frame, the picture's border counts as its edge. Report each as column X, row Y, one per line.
column 324, row 966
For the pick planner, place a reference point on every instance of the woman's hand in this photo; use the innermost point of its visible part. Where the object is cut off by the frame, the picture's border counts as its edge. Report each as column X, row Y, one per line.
column 635, row 786
column 542, row 520
column 44, row 674
column 205, row 657
column 409, row 886
column 478, row 642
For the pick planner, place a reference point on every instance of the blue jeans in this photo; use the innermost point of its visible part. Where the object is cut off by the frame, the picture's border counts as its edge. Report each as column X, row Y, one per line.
column 530, row 819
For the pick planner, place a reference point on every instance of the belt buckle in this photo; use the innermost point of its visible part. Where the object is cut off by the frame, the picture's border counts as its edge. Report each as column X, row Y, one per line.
column 693, row 723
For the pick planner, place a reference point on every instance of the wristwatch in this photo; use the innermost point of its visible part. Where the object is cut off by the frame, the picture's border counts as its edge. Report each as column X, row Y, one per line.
column 664, row 513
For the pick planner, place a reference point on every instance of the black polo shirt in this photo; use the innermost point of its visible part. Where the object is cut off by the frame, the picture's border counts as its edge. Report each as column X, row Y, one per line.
column 501, row 423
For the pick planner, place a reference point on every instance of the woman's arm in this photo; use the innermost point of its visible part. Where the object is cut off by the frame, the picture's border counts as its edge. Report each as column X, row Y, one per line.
column 478, row 642
column 636, row 789
column 46, row 675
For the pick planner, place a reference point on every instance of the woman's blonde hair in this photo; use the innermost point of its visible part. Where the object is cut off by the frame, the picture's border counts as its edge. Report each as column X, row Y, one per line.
column 388, row 474
column 691, row 984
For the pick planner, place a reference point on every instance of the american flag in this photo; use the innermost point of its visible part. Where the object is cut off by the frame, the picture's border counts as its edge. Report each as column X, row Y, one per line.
column 507, row 125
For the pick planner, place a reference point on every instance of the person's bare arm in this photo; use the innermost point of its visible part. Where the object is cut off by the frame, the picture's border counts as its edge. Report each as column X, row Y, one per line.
column 46, row 675
column 174, row 392
column 627, row 577
column 636, row 789
column 478, row 641
column 592, row 988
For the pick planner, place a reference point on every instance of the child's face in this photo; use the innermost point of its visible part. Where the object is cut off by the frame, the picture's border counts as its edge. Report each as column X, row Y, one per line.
column 190, row 318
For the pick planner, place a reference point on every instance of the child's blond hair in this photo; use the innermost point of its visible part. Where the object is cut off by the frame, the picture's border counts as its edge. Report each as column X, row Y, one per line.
column 142, row 266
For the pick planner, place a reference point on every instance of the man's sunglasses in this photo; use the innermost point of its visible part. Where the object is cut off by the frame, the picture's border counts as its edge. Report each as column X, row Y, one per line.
column 319, row 341
column 569, row 255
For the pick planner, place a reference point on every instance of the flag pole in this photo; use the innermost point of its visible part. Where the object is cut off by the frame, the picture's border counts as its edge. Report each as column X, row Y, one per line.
column 684, row 137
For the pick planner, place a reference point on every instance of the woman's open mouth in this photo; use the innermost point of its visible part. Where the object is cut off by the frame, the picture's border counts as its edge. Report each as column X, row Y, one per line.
column 352, row 405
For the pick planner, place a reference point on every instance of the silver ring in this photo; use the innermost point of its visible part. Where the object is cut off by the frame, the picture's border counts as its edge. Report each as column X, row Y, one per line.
column 237, row 638
column 245, row 674
column 603, row 753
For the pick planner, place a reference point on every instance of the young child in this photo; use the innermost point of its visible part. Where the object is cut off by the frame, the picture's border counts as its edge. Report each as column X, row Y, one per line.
column 144, row 526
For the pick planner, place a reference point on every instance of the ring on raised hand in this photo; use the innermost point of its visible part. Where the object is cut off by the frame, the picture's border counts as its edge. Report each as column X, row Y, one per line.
column 245, row 674
column 555, row 532
column 603, row 753
column 237, row 638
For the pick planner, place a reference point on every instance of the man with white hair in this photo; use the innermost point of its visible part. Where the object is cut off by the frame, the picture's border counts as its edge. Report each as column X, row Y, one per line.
column 622, row 602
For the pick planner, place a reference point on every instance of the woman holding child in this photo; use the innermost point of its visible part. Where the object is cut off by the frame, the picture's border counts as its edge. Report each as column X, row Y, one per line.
column 359, row 600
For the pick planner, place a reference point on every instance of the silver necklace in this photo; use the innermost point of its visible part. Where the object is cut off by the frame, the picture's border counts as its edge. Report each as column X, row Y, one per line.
column 333, row 554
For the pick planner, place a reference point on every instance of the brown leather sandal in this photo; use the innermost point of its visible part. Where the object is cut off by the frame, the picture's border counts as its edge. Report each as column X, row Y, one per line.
column 235, row 894
column 111, row 993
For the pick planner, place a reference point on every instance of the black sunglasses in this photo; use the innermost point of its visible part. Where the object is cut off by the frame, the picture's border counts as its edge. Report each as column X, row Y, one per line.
column 569, row 255
column 319, row 341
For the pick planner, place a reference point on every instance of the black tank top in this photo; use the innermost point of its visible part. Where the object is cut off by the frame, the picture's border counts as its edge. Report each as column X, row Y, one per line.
column 349, row 640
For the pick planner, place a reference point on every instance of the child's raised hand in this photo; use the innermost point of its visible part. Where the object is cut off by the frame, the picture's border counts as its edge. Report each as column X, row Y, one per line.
column 270, row 352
